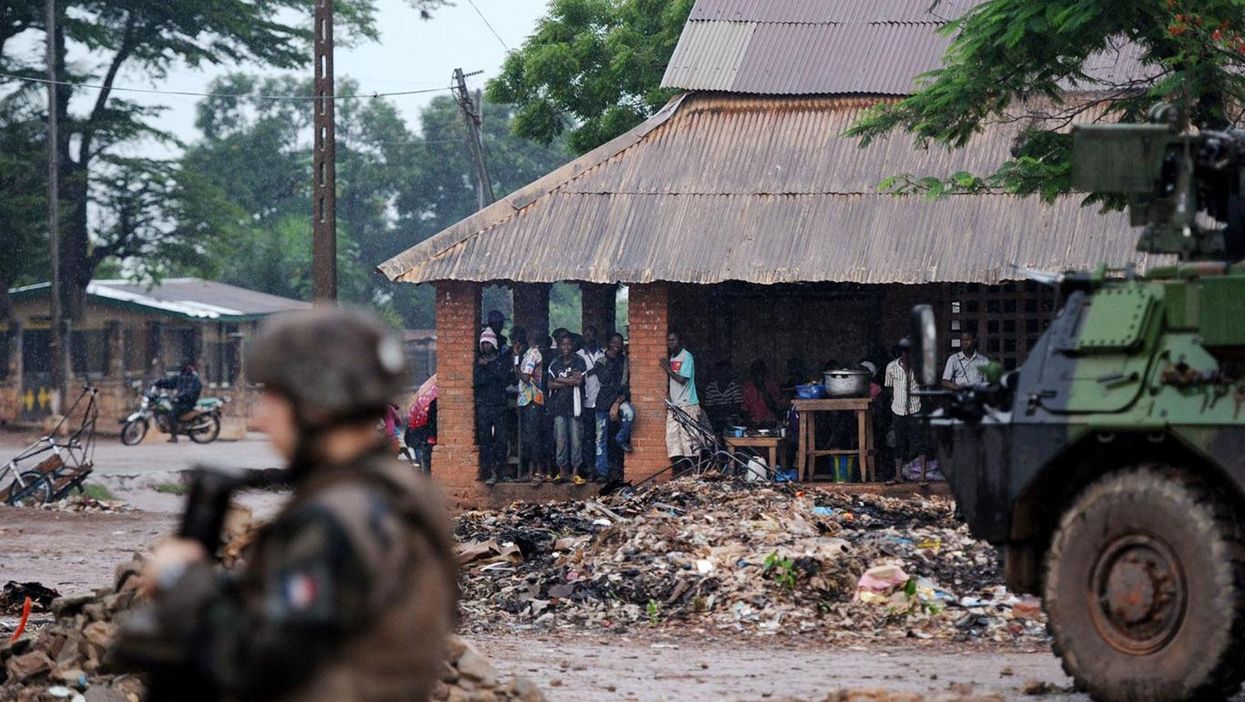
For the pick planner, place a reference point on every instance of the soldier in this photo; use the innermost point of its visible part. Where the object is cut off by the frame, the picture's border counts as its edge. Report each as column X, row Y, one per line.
column 350, row 592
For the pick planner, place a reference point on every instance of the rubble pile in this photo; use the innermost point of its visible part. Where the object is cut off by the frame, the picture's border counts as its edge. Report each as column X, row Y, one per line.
column 739, row 557
column 62, row 660
column 468, row 676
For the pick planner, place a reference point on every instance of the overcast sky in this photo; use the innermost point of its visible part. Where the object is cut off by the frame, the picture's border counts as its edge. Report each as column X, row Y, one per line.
column 412, row 54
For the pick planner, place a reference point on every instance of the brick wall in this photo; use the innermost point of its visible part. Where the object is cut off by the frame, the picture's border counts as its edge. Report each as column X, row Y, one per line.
column 456, row 458
column 649, row 320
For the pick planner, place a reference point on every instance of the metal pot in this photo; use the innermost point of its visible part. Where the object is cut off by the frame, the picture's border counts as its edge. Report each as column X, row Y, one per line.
column 847, row 383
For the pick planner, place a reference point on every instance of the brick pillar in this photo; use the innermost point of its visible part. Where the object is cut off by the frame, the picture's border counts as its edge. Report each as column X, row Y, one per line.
column 598, row 306
column 531, row 309
column 456, row 458
column 649, row 317
column 114, row 337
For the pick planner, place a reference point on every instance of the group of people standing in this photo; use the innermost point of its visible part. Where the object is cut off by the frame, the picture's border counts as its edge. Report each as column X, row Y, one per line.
column 571, row 398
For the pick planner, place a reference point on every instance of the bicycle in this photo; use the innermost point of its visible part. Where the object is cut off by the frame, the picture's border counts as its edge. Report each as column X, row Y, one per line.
column 65, row 464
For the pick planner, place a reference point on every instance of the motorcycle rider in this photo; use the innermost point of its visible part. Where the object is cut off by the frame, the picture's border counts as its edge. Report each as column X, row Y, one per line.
column 186, row 387
column 349, row 594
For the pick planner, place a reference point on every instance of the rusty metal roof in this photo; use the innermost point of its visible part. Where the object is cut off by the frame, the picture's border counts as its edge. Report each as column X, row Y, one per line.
column 764, row 190
column 828, row 47
column 802, row 47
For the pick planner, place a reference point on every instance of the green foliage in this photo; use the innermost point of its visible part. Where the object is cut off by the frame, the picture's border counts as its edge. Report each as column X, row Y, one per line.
column 1015, row 59
column 565, row 306
column 95, row 491
column 395, row 188
column 653, row 610
column 592, row 67
column 171, row 488
column 23, row 206
column 100, row 127
column 780, row 569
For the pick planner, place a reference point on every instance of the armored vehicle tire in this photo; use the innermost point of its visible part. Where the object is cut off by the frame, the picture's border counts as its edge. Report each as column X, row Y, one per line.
column 1145, row 589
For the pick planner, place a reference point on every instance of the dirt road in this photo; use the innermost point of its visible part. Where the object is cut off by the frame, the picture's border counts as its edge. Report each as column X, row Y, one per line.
column 114, row 458
column 72, row 552
column 644, row 667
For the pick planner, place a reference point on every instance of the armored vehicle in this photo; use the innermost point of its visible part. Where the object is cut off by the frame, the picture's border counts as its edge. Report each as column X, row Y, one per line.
column 1109, row 468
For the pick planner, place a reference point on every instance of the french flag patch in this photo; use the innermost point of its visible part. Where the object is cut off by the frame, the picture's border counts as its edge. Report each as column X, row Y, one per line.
column 300, row 591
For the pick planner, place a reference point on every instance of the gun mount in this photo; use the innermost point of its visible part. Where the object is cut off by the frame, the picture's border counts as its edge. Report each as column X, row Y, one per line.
column 1184, row 188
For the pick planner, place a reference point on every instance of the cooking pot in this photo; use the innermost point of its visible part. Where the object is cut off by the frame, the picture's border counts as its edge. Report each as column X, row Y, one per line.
column 847, row 382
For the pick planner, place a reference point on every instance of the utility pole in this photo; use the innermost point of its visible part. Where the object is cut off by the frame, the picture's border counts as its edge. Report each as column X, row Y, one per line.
column 484, row 191
column 61, row 369
column 324, row 163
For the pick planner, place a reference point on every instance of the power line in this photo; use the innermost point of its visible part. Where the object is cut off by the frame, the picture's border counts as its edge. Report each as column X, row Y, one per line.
column 241, row 96
column 487, row 24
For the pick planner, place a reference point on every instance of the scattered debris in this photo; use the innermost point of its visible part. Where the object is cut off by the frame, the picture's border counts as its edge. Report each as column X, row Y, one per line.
column 62, row 660
column 13, row 597
column 958, row 694
column 84, row 503
column 1038, row 688
column 736, row 557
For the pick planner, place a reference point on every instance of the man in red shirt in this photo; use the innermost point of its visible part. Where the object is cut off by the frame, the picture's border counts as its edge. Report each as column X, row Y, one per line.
column 762, row 397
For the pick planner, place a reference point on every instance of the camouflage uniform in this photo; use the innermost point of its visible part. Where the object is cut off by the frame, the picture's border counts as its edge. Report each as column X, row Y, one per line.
column 347, row 595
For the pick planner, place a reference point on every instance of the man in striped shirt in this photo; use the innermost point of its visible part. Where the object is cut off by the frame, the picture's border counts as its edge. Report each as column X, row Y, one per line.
column 723, row 396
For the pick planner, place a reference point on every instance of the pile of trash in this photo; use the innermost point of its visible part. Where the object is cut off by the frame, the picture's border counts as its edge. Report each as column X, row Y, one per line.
column 62, row 659
column 13, row 597
column 739, row 557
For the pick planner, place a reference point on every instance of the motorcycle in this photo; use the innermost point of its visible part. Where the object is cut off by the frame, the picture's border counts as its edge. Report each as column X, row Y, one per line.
column 201, row 425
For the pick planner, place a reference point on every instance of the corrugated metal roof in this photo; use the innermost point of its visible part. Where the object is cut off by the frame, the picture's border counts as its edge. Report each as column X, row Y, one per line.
column 186, row 297
column 764, row 190
column 830, row 11
column 827, row 47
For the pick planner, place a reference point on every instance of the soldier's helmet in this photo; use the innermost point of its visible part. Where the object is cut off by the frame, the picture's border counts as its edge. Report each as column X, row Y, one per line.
column 334, row 365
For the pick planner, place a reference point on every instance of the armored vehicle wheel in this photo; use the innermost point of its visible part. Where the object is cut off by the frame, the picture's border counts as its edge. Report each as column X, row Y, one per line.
column 1145, row 589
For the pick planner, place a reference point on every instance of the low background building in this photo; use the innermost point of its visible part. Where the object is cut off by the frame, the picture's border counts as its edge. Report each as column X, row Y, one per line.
column 133, row 332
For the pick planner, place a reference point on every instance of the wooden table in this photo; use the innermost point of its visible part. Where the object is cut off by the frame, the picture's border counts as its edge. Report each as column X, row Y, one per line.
column 770, row 443
column 807, row 452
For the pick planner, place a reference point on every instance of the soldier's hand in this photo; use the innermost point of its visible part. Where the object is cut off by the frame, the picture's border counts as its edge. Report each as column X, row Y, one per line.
column 168, row 560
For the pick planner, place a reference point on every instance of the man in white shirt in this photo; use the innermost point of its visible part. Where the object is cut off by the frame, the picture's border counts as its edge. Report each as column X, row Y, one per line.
column 908, row 439
column 964, row 368
column 592, row 353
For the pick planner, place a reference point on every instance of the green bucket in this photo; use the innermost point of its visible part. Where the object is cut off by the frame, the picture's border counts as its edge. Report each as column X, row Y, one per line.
column 843, row 467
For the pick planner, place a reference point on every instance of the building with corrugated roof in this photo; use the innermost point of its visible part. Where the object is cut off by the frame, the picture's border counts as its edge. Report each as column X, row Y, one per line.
column 133, row 332
column 741, row 215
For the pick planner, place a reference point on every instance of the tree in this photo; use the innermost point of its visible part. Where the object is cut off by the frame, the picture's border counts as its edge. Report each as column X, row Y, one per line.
column 150, row 37
column 395, row 187
column 593, row 68
column 1016, row 59
column 23, row 206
